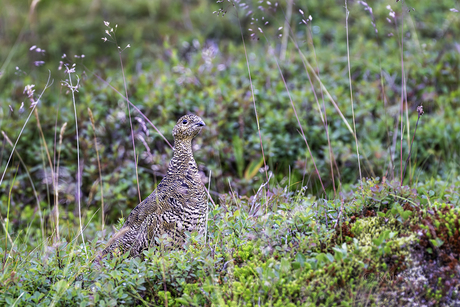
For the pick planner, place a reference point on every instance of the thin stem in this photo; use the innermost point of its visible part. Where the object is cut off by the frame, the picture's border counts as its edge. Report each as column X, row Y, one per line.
column 323, row 119
column 323, row 87
column 413, row 137
column 135, row 108
column 326, row 127
column 31, row 183
column 78, row 161
column 300, row 125
column 405, row 93
column 48, row 84
column 402, row 93
column 51, row 168
column 61, row 134
column 252, row 93
column 56, row 170
column 98, row 166
column 131, row 125
column 382, row 88
column 7, row 221
column 351, row 91
column 287, row 22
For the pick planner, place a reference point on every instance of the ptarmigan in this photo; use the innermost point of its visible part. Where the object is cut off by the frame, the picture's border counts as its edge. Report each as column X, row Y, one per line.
column 177, row 205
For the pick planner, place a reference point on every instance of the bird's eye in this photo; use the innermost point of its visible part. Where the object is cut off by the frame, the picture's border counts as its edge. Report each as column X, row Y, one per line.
column 184, row 121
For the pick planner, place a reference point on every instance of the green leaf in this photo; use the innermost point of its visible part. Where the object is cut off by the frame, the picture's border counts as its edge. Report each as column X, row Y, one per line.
column 300, row 259
column 378, row 241
column 406, row 214
column 237, row 143
column 285, row 265
column 437, row 242
column 182, row 300
column 253, row 168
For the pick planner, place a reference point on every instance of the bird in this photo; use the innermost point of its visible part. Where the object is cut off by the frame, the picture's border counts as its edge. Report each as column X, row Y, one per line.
column 178, row 204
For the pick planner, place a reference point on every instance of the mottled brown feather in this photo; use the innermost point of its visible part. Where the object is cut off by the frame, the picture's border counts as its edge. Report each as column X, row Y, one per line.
column 177, row 205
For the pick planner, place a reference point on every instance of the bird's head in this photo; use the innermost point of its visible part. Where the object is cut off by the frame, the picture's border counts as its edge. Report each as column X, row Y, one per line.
column 187, row 127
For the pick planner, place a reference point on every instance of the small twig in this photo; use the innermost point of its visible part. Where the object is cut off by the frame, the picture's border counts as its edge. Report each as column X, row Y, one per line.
column 253, row 209
column 233, row 193
column 340, row 214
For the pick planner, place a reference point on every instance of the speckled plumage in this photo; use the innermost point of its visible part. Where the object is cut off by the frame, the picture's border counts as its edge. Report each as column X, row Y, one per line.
column 177, row 205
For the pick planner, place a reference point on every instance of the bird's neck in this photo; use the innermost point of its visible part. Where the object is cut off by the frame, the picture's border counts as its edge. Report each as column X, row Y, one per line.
column 182, row 149
column 183, row 156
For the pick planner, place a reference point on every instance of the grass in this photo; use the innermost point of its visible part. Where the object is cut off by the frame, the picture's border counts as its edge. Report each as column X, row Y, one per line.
column 289, row 224
column 279, row 254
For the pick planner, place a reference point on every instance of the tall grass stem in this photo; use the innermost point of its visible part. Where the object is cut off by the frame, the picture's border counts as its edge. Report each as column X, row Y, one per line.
column 98, row 166
column 351, row 91
column 420, row 113
column 61, row 135
column 300, row 125
column 42, row 228
column 402, row 94
column 73, row 89
column 48, row 84
column 131, row 126
column 54, row 179
column 252, row 93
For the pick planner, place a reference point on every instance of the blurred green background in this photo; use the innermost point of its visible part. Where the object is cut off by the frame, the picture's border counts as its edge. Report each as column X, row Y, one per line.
column 185, row 56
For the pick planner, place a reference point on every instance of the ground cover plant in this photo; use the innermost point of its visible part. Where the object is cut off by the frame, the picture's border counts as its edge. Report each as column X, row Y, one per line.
column 330, row 154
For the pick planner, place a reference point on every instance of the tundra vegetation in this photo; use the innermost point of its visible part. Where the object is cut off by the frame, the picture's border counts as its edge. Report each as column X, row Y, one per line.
column 330, row 153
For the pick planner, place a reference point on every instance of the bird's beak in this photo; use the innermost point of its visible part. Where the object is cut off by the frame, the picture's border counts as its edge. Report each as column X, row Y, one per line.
column 201, row 123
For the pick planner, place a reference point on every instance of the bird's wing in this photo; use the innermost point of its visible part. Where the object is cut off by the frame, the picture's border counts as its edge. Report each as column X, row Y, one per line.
column 153, row 204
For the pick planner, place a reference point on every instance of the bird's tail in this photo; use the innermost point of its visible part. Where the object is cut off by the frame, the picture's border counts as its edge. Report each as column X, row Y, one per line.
column 115, row 242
